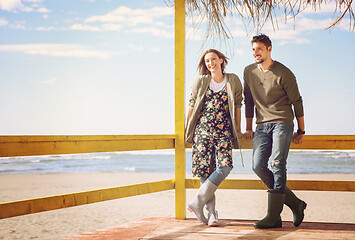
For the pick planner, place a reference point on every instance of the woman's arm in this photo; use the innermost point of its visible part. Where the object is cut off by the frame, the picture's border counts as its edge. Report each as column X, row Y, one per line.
column 238, row 114
column 188, row 117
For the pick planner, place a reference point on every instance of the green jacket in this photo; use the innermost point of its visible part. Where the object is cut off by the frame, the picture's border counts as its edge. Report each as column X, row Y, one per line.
column 199, row 88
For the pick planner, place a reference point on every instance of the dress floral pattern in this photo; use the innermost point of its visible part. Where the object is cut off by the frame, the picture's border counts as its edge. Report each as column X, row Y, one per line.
column 213, row 140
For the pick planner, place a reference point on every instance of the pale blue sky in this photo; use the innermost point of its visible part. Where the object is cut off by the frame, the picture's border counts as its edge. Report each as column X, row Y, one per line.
column 107, row 67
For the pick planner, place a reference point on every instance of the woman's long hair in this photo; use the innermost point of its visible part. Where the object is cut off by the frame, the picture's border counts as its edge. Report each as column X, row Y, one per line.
column 202, row 68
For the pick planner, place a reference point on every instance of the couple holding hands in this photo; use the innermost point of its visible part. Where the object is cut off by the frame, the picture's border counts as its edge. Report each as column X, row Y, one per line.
column 213, row 128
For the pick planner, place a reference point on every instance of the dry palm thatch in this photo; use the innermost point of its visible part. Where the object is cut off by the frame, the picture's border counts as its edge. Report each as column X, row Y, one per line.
column 258, row 12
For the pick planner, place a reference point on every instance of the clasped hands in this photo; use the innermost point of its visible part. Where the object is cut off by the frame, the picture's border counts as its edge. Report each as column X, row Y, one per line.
column 249, row 135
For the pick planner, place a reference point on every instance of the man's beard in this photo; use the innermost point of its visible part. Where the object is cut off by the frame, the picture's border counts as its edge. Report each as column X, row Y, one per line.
column 260, row 61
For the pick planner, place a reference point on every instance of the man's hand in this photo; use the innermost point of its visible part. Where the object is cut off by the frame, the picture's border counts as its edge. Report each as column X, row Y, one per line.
column 296, row 138
column 240, row 135
column 249, row 135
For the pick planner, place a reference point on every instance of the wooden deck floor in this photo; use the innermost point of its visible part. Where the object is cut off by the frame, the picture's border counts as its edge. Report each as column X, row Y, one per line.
column 170, row 228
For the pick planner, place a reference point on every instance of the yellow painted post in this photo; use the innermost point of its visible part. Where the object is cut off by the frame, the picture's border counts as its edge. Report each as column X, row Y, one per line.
column 180, row 169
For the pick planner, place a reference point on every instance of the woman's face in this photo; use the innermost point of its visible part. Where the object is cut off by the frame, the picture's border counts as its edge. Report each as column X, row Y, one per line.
column 213, row 62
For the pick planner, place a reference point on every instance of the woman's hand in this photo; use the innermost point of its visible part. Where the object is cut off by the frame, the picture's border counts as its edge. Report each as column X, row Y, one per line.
column 240, row 135
column 248, row 135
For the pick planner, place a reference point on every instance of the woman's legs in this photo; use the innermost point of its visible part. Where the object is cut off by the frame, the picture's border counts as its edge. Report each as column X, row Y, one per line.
column 216, row 178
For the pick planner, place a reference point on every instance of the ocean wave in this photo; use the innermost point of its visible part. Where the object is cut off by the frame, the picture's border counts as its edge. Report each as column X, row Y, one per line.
column 129, row 169
column 162, row 161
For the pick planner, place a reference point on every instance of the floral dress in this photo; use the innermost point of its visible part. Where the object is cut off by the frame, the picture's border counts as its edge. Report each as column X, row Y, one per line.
column 213, row 140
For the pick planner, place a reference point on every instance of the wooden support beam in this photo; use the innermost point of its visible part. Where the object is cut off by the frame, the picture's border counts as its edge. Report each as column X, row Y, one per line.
column 180, row 163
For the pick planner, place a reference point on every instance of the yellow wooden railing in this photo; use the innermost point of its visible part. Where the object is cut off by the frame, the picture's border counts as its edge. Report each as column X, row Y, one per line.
column 43, row 145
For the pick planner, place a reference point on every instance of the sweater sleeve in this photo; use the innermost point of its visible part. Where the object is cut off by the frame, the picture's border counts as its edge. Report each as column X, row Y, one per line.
column 289, row 83
column 248, row 99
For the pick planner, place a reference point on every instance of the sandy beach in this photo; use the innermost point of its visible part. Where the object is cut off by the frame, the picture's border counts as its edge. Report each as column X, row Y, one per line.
column 231, row 204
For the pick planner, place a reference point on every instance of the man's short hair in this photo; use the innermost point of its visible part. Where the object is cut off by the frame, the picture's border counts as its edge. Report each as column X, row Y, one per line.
column 262, row 38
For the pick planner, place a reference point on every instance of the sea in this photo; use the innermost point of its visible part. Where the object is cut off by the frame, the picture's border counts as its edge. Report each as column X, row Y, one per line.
column 163, row 161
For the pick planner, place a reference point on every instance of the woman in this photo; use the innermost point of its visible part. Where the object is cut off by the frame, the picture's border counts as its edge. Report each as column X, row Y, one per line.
column 213, row 128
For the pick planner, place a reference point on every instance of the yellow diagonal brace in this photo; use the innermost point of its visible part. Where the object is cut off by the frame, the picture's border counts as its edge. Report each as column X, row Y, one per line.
column 17, row 208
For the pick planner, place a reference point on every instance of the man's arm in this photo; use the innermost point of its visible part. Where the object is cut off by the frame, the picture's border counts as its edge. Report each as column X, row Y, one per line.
column 249, row 134
column 249, row 111
column 298, row 138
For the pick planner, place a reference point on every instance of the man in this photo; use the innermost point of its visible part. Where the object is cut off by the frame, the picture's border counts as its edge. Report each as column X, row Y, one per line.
column 272, row 89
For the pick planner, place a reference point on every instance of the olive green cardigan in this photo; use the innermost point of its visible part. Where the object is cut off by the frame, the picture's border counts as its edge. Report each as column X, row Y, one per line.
column 199, row 88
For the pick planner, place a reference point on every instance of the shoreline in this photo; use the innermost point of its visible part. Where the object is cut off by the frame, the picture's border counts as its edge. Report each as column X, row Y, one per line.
column 231, row 204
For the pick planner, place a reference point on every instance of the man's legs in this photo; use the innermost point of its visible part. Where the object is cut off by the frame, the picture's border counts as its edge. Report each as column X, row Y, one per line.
column 281, row 140
column 282, row 137
column 262, row 144
column 272, row 140
column 276, row 178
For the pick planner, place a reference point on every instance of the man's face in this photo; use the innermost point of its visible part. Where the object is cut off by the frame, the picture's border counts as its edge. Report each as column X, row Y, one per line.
column 260, row 52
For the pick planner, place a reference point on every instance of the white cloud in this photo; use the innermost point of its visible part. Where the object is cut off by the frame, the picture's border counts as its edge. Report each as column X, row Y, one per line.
column 136, row 48
column 84, row 27
column 49, row 81
column 19, row 26
column 131, row 20
column 193, row 33
column 3, row 22
column 324, row 8
column 10, row 5
column 133, row 16
column 56, row 50
column 156, row 49
column 45, row 28
column 294, row 32
column 239, row 52
column 154, row 31
column 45, row 16
column 34, row 1
column 103, row 27
column 43, row 10
column 22, row 5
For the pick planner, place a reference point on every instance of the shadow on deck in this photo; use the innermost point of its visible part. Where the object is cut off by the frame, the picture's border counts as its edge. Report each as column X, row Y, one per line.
column 170, row 228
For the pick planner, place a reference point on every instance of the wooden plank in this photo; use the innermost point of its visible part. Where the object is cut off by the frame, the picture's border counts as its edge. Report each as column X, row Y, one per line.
column 46, row 145
column 23, row 207
column 304, row 185
column 316, row 142
column 329, row 142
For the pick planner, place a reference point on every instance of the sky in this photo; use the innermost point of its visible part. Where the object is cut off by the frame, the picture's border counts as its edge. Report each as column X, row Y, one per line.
column 106, row 67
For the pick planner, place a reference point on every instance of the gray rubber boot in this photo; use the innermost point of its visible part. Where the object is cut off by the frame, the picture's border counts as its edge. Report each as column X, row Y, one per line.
column 203, row 195
column 297, row 206
column 212, row 213
column 275, row 206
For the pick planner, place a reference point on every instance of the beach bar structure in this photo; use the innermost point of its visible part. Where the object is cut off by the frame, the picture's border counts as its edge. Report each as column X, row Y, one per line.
column 48, row 145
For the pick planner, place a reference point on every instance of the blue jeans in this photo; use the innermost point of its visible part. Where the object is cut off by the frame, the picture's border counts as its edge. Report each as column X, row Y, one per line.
column 272, row 140
column 217, row 176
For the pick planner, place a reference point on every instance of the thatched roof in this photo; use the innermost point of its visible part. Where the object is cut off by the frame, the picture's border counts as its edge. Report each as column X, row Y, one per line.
column 259, row 12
